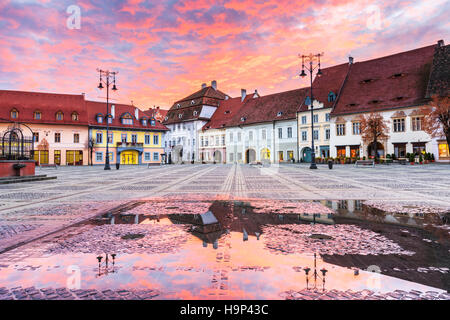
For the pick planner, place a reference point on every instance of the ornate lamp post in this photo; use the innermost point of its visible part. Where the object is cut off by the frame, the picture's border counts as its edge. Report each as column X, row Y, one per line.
column 315, row 275
column 311, row 59
column 109, row 76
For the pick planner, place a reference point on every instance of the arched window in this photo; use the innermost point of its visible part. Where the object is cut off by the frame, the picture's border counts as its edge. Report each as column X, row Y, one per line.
column 37, row 115
column 14, row 114
column 74, row 116
column 59, row 116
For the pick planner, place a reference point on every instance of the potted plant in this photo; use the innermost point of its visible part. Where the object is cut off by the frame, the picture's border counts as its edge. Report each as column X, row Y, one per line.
column 432, row 157
column 411, row 158
column 420, row 159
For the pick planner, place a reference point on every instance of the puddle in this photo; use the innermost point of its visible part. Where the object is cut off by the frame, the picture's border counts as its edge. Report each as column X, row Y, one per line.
column 242, row 250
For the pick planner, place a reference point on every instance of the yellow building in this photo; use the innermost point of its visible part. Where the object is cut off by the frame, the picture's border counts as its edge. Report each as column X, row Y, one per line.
column 134, row 137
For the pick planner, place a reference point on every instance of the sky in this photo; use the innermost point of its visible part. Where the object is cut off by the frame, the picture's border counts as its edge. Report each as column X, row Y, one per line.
column 165, row 50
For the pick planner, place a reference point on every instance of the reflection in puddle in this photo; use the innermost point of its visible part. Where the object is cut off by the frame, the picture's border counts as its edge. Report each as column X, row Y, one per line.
column 230, row 249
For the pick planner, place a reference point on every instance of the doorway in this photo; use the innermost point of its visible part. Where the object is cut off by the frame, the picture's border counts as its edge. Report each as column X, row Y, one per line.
column 129, row 157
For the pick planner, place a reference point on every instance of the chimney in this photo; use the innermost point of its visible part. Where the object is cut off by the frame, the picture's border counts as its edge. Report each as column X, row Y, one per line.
column 440, row 43
column 214, row 84
column 203, row 85
column 243, row 94
column 350, row 60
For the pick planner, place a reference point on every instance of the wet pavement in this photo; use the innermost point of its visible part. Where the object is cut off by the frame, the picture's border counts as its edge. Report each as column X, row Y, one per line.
column 237, row 232
column 224, row 249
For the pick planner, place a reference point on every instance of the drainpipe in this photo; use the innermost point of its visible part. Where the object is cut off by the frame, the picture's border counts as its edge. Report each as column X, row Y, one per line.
column 273, row 141
column 298, row 141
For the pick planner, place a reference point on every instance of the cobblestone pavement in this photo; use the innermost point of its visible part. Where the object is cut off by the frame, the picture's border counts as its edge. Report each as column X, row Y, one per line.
column 30, row 211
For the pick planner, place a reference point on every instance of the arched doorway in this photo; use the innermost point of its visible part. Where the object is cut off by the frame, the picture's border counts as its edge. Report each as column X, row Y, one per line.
column 306, row 154
column 380, row 150
column 129, row 157
column 217, row 156
column 250, row 155
column 265, row 154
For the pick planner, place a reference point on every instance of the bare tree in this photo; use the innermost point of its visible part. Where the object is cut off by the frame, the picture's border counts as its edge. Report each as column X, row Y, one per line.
column 436, row 120
column 374, row 128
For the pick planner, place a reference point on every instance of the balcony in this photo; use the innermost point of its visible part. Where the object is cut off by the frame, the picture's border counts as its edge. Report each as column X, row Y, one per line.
column 130, row 145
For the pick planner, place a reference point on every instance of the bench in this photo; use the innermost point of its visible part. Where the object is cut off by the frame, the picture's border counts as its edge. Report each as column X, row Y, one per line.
column 365, row 163
column 48, row 165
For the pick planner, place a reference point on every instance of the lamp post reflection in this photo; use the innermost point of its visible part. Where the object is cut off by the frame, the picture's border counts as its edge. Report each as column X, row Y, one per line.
column 105, row 268
column 315, row 274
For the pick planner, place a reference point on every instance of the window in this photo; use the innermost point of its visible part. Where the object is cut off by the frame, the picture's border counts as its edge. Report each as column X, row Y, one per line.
column 279, row 114
column 239, row 156
column 304, row 135
column 99, row 156
column 144, row 122
column 76, row 138
column 263, row 134
column 316, row 118
column 418, row 147
column 57, row 137
column 327, row 117
column 290, row 155
column 127, row 121
column 340, row 151
column 280, row 133
column 280, row 156
column 201, row 141
column 327, row 134
column 443, row 150
column 99, row 119
column 35, row 136
column 110, row 137
column 123, row 137
column 37, row 115
column 250, row 135
column 99, row 137
column 304, row 120
column 231, row 157
column 110, row 119
column 356, row 128
column 239, row 137
column 57, row 157
column 231, row 137
column 223, row 140
column 59, row 116
column 152, row 122
column 14, row 114
column 399, row 125
column 180, row 115
column 155, row 156
column 316, row 134
column 331, row 96
column 289, row 132
column 134, row 138
column 74, row 116
column 417, row 123
column 155, row 139
column 206, row 141
column 147, row 156
column 340, row 129
column 147, row 139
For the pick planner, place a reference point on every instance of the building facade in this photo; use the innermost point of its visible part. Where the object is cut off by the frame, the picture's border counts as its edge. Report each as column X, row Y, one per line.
column 396, row 87
column 134, row 137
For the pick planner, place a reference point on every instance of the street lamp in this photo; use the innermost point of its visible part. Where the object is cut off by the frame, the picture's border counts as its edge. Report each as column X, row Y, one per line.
column 311, row 58
column 315, row 275
column 108, row 75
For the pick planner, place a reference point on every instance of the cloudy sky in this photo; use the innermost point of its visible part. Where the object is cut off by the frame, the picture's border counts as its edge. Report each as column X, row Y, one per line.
column 165, row 50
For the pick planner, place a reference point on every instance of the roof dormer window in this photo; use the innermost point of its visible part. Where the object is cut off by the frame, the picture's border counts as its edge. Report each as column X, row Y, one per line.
column 352, row 104
column 37, row 115
column 152, row 122
column 127, row 119
column 14, row 114
column 367, row 81
column 397, row 75
column 180, row 115
column 166, row 118
column 374, row 101
column 74, row 116
column 192, row 102
column 331, row 96
column 399, row 98
column 279, row 113
column 195, row 113
column 144, row 122
column 99, row 118
column 59, row 116
column 227, row 112
column 178, row 106
column 243, row 119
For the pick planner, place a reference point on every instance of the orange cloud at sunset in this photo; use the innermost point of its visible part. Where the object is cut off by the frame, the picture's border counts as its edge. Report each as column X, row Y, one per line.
column 165, row 50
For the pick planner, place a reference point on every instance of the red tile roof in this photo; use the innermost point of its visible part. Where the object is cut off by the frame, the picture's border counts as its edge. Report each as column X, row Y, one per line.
column 224, row 113
column 94, row 108
column 273, row 107
column 157, row 113
column 48, row 104
column 190, row 107
column 389, row 82
column 332, row 80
